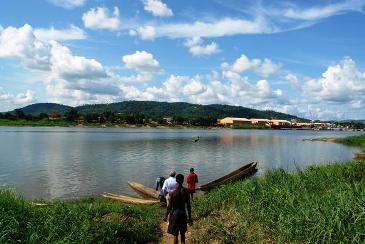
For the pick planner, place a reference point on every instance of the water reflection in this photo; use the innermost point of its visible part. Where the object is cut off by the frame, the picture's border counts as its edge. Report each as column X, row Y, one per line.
column 66, row 163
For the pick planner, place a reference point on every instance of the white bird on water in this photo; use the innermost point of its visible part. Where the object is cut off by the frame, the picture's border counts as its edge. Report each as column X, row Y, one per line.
column 197, row 139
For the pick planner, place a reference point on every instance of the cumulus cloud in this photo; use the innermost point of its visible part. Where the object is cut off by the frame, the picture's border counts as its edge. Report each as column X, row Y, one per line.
column 145, row 32
column 101, row 18
column 342, row 82
column 157, row 8
column 17, row 99
column 263, row 68
column 71, row 33
column 25, row 98
column 22, row 43
column 68, row 3
column 196, row 47
column 142, row 61
column 69, row 77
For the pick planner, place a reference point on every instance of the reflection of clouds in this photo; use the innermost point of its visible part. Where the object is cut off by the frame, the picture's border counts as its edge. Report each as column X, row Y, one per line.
column 73, row 162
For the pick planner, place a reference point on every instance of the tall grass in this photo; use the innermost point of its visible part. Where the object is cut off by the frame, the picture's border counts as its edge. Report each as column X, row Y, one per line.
column 358, row 141
column 323, row 204
column 85, row 221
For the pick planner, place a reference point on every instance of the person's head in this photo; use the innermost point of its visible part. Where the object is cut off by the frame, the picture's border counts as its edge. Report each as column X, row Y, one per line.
column 173, row 173
column 191, row 170
column 180, row 179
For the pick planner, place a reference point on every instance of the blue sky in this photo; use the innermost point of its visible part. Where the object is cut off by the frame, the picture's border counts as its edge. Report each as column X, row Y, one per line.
column 305, row 58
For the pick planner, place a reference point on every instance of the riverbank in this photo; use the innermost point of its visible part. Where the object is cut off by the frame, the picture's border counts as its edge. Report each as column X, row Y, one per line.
column 320, row 203
column 88, row 220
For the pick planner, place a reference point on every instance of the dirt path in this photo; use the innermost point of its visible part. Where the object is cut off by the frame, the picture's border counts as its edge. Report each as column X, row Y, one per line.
column 167, row 238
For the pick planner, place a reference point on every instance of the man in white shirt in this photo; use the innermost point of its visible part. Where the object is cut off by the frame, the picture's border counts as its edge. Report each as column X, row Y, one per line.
column 169, row 185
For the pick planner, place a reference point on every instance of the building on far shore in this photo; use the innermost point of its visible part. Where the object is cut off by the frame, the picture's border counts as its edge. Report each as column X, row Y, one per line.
column 266, row 122
column 234, row 121
column 254, row 121
column 280, row 122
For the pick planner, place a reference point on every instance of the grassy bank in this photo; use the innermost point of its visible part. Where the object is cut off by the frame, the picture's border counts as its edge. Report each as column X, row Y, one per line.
column 319, row 204
column 85, row 221
column 357, row 141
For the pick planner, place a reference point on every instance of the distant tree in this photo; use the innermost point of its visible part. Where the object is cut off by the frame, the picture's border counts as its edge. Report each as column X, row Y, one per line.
column 178, row 120
column 55, row 115
column 43, row 116
column 72, row 115
column 92, row 117
column 161, row 121
column 19, row 114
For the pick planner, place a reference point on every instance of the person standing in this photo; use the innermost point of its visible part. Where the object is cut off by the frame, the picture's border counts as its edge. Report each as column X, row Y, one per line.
column 179, row 203
column 169, row 185
column 192, row 180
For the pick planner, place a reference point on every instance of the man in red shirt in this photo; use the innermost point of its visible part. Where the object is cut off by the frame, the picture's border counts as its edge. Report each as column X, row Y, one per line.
column 192, row 179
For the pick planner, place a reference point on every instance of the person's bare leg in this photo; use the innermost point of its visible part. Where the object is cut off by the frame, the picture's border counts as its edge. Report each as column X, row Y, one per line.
column 176, row 239
column 182, row 237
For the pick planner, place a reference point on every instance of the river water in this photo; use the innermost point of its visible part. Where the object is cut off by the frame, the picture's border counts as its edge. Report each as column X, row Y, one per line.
column 46, row 163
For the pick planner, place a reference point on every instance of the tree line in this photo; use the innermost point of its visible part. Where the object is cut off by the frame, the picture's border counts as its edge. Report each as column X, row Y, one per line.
column 109, row 117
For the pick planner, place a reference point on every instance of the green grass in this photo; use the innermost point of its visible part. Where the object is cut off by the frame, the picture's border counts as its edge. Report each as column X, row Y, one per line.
column 249, row 126
column 323, row 204
column 21, row 122
column 358, row 141
column 88, row 220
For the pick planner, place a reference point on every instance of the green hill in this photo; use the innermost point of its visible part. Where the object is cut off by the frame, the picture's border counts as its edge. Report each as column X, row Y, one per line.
column 47, row 108
column 161, row 109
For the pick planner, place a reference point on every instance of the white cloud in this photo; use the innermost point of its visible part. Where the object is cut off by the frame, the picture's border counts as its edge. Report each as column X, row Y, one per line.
column 215, row 28
column 146, row 32
column 320, row 12
column 68, row 3
column 25, row 98
column 100, row 18
column 342, row 82
column 263, row 68
column 142, row 61
column 196, row 47
column 19, row 99
column 4, row 96
column 71, row 33
column 157, row 8
column 22, row 43
column 71, row 67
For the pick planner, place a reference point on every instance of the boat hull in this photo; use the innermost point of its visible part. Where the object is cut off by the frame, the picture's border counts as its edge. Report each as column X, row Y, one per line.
column 128, row 199
column 235, row 175
column 145, row 191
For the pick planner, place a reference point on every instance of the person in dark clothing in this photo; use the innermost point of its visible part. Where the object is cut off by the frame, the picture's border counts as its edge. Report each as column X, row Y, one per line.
column 179, row 203
column 159, row 183
column 192, row 180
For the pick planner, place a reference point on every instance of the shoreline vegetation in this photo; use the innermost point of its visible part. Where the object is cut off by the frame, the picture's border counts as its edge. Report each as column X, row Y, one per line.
column 322, row 203
column 318, row 204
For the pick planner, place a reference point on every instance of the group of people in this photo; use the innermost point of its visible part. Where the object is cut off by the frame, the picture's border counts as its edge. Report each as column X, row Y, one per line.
column 177, row 198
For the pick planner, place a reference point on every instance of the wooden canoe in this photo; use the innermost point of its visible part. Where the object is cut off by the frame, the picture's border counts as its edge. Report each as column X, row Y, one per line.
column 359, row 155
column 235, row 175
column 128, row 199
column 145, row 191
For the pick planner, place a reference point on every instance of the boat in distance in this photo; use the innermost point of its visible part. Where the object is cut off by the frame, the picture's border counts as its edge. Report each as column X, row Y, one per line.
column 145, row 191
column 128, row 199
column 235, row 175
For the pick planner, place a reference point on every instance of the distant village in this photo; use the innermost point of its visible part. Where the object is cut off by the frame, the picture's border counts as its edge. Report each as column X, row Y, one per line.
column 282, row 124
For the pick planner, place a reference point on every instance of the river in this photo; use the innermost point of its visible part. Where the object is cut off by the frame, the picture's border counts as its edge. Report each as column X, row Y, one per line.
column 47, row 163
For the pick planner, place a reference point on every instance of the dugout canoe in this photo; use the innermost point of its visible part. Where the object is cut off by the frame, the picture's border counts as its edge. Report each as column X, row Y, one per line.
column 359, row 155
column 235, row 175
column 143, row 190
column 128, row 199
